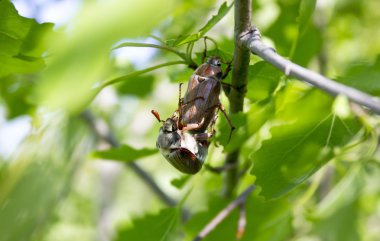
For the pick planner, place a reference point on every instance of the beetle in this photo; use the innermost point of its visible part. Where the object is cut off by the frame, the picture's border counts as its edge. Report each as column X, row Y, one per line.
column 185, row 151
column 201, row 102
column 183, row 139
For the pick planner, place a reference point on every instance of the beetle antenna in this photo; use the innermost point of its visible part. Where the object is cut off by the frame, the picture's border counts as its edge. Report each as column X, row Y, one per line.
column 180, row 105
column 204, row 55
column 155, row 113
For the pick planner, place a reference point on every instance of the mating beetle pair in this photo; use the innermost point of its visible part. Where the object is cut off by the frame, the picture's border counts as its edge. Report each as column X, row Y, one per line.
column 184, row 138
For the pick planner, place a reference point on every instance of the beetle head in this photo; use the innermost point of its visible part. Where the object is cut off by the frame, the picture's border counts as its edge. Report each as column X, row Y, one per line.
column 215, row 61
column 169, row 125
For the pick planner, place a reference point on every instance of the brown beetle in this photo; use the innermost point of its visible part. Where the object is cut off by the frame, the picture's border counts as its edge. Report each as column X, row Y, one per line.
column 202, row 99
column 183, row 139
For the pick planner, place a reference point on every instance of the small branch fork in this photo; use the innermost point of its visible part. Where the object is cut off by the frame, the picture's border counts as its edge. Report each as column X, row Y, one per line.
column 252, row 40
column 238, row 202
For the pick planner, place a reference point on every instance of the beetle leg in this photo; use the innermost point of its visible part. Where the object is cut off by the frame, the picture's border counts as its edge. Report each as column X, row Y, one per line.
column 221, row 108
column 193, row 126
column 227, row 71
column 203, row 136
column 212, row 125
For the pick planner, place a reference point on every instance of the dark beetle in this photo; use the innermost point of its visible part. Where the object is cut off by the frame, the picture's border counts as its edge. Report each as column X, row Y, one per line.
column 184, row 151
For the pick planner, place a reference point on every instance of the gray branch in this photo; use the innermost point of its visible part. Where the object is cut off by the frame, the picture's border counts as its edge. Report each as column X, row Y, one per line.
column 224, row 213
column 252, row 40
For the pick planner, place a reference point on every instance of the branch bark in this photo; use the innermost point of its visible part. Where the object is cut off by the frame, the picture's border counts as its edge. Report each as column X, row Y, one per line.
column 243, row 12
column 252, row 40
column 224, row 213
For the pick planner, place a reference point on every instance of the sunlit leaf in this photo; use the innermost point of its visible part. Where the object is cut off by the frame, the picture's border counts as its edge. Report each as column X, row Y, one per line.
column 181, row 181
column 305, row 14
column 223, row 10
column 263, row 79
column 14, row 91
column 140, row 86
column 304, row 53
column 364, row 77
column 124, row 153
column 40, row 170
column 336, row 216
column 301, row 139
column 160, row 226
column 238, row 135
column 20, row 50
column 82, row 58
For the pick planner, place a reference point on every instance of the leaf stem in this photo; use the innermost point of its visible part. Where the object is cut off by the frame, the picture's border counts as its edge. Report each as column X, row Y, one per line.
column 147, row 45
column 183, row 56
column 138, row 72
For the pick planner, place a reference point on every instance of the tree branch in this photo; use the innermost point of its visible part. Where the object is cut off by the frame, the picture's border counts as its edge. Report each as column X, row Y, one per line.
column 243, row 12
column 102, row 131
column 224, row 213
column 252, row 40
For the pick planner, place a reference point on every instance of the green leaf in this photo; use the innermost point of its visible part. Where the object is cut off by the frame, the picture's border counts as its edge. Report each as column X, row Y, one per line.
column 304, row 53
column 124, row 153
column 161, row 226
column 364, row 77
column 223, row 10
column 307, row 33
column 20, row 39
column 39, row 169
column 263, row 79
column 239, row 121
column 139, row 86
column 284, row 30
column 14, row 91
column 181, row 181
column 82, row 58
column 305, row 14
column 301, row 138
column 336, row 217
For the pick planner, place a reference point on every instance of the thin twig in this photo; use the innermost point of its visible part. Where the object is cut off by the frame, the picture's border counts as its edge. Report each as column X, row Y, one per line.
column 242, row 221
column 243, row 12
column 224, row 213
column 102, row 131
column 252, row 40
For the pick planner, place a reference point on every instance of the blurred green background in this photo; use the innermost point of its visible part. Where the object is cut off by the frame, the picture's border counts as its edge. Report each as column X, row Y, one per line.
column 314, row 158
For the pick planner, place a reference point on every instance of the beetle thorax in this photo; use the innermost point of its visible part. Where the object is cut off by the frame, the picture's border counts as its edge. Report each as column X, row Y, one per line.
column 210, row 68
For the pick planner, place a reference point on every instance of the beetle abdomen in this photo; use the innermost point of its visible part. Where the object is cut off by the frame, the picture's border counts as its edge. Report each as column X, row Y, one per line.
column 184, row 160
